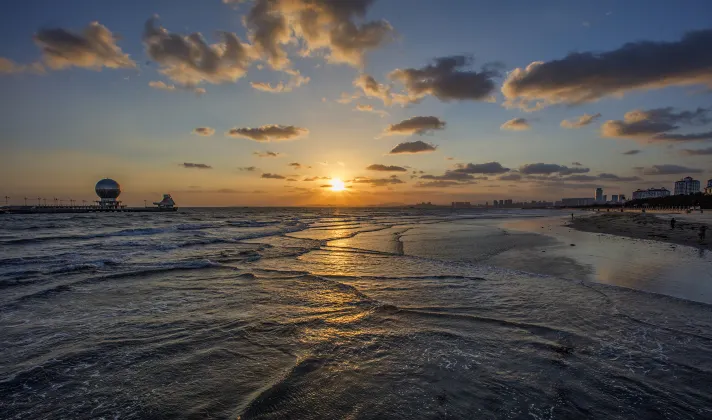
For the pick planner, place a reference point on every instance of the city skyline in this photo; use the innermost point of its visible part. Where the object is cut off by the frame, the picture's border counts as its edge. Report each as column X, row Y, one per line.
column 368, row 105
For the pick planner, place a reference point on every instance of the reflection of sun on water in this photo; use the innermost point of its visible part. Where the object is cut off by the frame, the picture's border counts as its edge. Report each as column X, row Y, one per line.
column 337, row 185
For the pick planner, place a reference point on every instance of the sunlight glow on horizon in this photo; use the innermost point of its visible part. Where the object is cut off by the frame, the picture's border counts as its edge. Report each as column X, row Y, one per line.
column 337, row 185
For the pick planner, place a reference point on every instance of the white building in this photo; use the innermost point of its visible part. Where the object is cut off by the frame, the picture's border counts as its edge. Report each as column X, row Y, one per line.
column 651, row 193
column 687, row 186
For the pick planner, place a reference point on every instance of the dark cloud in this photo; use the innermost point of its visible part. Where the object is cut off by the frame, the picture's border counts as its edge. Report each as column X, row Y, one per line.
column 189, row 60
column 576, row 164
column 450, row 176
column 265, row 154
column 272, row 176
column 439, row 184
column 510, row 177
column 632, row 152
column 291, row 180
column 581, row 121
column 516, row 124
column 384, row 168
column 377, row 182
column 413, row 147
column 669, row 169
column 93, row 49
column 248, row 168
column 447, row 79
column 296, row 165
column 196, row 165
column 204, row 131
column 697, row 152
column 550, row 168
column 271, row 132
column 316, row 178
column 613, row 177
column 371, row 88
column 319, row 24
column 416, row 125
column 489, row 168
column 588, row 76
column 655, row 125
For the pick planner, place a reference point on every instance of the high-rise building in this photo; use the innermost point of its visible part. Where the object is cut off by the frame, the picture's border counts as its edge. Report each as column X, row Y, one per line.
column 573, row 202
column 687, row 186
column 614, row 198
column 650, row 193
column 708, row 190
column 599, row 195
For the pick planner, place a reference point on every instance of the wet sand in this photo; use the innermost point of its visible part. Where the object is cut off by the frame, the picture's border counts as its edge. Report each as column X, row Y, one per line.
column 646, row 226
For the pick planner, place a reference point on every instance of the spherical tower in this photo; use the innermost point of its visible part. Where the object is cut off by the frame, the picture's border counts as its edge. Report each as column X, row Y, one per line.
column 108, row 191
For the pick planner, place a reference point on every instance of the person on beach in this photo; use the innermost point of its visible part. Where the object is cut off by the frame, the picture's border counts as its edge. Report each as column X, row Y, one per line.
column 572, row 216
column 672, row 223
column 703, row 231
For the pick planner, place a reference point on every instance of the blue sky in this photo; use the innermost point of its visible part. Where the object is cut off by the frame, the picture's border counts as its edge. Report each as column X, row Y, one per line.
column 65, row 128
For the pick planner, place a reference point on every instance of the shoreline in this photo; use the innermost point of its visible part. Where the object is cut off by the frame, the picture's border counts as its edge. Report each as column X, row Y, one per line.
column 645, row 226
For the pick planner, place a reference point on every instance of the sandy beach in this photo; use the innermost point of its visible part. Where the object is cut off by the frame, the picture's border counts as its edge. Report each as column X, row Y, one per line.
column 648, row 226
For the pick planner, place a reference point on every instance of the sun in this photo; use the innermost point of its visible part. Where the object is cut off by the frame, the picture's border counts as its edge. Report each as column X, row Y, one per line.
column 337, row 185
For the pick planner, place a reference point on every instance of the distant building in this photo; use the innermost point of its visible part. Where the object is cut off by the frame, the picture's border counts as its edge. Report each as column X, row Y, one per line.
column 599, row 195
column 621, row 197
column 461, row 205
column 687, row 186
column 605, row 198
column 650, row 193
column 507, row 202
column 574, row 202
column 614, row 198
column 708, row 190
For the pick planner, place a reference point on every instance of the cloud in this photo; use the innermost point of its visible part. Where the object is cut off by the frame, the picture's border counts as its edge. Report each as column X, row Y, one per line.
column 448, row 79
column 372, row 89
column 581, row 121
column 316, row 178
column 613, row 177
column 94, row 48
column 632, row 152
column 271, row 132
column 295, row 81
column 516, row 124
column 320, row 25
column 413, row 147
column 450, row 176
column 163, row 86
column 588, row 76
column 697, row 152
column 669, row 169
column 654, row 125
column 8, row 66
column 369, row 108
column 272, row 176
column 189, row 60
column 384, row 168
column 510, row 177
column 415, row 125
column 204, row 131
column 439, row 184
column 266, row 154
column 196, row 165
column 248, row 168
column 576, row 163
column 377, row 182
column 489, row 168
column 296, row 165
column 550, row 168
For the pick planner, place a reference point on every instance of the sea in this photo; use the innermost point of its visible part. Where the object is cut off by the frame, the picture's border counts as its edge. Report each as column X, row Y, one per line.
column 337, row 313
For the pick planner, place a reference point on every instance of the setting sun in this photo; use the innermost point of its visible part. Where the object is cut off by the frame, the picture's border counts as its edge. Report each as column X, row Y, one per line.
column 337, row 185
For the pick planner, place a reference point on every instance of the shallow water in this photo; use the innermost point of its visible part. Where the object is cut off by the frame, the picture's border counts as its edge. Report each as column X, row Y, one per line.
column 349, row 313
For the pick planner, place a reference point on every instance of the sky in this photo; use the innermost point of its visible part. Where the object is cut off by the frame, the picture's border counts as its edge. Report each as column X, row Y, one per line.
column 352, row 102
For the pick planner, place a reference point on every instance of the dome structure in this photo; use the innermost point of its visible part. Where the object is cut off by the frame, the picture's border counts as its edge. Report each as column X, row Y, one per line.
column 107, row 189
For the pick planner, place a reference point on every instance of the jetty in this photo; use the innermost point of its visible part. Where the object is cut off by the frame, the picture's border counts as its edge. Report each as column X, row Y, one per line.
column 108, row 191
